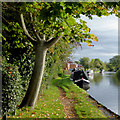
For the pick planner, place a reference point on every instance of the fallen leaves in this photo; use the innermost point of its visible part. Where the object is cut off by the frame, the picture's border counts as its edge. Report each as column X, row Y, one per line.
column 33, row 112
column 20, row 114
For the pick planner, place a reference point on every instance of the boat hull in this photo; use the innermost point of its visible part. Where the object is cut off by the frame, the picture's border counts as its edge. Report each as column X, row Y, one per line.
column 83, row 84
column 80, row 78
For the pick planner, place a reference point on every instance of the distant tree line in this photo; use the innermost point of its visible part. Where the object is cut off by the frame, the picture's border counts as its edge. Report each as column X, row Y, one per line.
column 113, row 64
column 96, row 64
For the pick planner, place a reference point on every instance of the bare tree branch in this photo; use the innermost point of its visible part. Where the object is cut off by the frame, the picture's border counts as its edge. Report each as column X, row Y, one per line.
column 53, row 41
column 26, row 32
column 51, row 37
column 43, row 36
column 33, row 27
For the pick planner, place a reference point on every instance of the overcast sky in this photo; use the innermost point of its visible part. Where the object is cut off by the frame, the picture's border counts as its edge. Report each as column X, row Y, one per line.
column 106, row 29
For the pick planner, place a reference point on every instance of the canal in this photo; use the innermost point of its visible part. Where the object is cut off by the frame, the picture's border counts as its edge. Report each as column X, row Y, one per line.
column 104, row 88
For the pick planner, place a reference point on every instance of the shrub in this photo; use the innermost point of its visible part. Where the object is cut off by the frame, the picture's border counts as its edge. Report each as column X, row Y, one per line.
column 11, row 87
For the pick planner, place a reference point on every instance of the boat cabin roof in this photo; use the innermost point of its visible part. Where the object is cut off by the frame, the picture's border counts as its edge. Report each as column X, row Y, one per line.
column 79, row 74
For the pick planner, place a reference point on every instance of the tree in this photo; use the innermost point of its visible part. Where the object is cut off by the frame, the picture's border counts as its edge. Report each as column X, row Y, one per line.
column 77, row 62
column 109, row 67
column 98, row 64
column 45, row 24
column 118, row 74
column 92, row 65
column 85, row 62
column 55, row 58
column 115, row 62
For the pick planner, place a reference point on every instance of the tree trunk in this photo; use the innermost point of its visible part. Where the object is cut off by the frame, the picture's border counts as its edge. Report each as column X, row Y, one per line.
column 36, row 79
column 41, row 46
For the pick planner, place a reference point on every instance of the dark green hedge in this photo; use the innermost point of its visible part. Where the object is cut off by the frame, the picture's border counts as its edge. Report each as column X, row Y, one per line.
column 11, row 87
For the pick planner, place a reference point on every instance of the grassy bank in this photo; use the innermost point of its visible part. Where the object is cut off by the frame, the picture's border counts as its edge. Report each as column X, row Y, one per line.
column 84, row 107
column 49, row 106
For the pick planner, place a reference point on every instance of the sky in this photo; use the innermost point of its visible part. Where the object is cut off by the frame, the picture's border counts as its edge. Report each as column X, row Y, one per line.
column 106, row 29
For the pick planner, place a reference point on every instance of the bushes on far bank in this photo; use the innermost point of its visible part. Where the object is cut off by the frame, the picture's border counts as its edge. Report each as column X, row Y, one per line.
column 118, row 74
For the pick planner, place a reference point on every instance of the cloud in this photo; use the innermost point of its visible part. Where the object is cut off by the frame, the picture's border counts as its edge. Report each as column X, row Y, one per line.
column 102, row 56
column 103, row 23
column 106, row 29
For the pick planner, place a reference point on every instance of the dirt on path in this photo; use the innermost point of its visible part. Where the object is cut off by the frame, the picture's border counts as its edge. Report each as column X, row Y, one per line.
column 68, row 104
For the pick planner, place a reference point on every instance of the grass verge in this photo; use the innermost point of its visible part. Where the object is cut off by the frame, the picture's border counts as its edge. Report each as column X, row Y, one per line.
column 49, row 106
column 84, row 107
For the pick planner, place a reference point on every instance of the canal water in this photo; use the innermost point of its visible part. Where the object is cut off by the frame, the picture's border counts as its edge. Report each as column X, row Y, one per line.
column 104, row 88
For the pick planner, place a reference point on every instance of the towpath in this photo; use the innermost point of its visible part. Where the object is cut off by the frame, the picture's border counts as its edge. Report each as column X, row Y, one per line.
column 70, row 112
column 68, row 104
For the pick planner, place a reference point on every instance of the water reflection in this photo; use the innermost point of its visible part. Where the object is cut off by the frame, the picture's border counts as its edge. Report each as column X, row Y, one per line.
column 104, row 88
column 97, row 78
column 115, row 80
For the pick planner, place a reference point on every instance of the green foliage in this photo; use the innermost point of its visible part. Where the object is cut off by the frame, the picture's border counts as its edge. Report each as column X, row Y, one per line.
column 11, row 87
column 92, row 63
column 97, row 64
column 57, row 17
column 25, row 64
column 78, row 62
column 85, row 62
column 56, row 56
column 110, row 67
column 18, row 49
column 21, row 57
column 115, row 62
column 49, row 19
